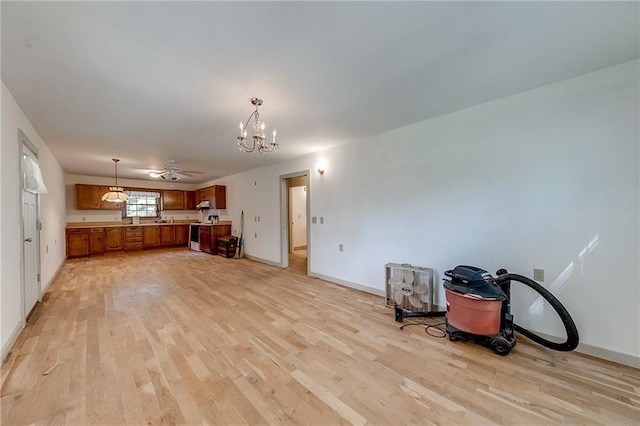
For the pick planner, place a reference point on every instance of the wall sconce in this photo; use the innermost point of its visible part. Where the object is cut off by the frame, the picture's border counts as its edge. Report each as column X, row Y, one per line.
column 321, row 167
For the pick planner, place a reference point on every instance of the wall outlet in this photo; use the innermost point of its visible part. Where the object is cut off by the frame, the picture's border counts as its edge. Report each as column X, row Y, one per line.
column 84, row 218
column 538, row 274
column 341, row 247
column 321, row 220
column 313, row 219
column 255, row 235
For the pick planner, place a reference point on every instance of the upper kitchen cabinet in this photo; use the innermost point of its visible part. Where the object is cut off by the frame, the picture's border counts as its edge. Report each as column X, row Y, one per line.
column 173, row 200
column 89, row 197
column 216, row 196
column 190, row 200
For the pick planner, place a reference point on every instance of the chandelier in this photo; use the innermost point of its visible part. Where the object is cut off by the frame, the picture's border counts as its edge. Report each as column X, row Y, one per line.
column 116, row 193
column 259, row 140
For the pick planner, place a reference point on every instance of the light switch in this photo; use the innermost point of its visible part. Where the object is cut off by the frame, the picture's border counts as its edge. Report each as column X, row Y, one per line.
column 313, row 219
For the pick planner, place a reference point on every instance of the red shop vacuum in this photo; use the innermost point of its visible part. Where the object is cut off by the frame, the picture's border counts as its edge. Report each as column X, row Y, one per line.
column 479, row 310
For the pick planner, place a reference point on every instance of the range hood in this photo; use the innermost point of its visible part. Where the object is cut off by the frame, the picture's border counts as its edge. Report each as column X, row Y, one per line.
column 204, row 205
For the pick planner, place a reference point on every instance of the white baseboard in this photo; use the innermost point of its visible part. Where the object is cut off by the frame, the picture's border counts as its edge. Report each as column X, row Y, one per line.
column 349, row 284
column 44, row 290
column 259, row 259
column 12, row 340
column 598, row 352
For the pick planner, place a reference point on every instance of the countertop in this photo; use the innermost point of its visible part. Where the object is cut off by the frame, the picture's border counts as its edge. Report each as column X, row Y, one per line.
column 76, row 225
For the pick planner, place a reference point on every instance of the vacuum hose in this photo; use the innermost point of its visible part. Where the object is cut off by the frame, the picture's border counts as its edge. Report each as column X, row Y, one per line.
column 570, row 327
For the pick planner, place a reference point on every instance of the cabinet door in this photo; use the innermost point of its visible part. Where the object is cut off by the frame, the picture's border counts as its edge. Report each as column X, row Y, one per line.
column 151, row 236
column 88, row 197
column 167, row 235
column 205, row 239
column 219, row 197
column 190, row 200
column 182, row 234
column 95, row 243
column 113, row 239
column 203, row 194
column 172, row 200
column 77, row 242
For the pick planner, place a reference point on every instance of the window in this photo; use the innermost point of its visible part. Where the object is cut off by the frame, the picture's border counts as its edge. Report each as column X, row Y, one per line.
column 141, row 204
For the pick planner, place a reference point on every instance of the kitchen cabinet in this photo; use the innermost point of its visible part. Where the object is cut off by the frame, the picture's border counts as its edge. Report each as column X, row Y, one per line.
column 133, row 238
column 205, row 238
column 190, row 200
column 77, row 242
column 151, row 236
column 89, row 197
column 173, row 200
column 113, row 239
column 167, row 235
column 182, row 234
column 96, row 237
column 216, row 195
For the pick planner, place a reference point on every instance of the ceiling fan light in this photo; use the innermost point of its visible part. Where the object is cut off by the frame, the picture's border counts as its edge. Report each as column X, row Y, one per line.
column 155, row 174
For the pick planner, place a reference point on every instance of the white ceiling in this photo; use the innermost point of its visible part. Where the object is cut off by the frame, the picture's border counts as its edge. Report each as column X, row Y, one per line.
column 148, row 81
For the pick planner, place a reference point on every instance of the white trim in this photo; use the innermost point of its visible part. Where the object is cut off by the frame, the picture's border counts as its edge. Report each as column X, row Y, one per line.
column 55, row 275
column 598, row 352
column 12, row 340
column 259, row 259
column 284, row 217
column 349, row 284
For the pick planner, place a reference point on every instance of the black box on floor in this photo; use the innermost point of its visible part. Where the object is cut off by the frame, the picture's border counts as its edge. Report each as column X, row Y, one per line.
column 227, row 245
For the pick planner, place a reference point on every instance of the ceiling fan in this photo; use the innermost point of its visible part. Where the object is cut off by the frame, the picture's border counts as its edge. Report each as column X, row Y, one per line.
column 171, row 171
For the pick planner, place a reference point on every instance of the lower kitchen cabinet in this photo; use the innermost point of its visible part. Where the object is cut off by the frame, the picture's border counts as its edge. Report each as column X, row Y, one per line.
column 205, row 238
column 151, row 236
column 133, row 238
column 97, row 240
column 96, row 245
column 182, row 234
column 167, row 235
column 113, row 239
column 77, row 242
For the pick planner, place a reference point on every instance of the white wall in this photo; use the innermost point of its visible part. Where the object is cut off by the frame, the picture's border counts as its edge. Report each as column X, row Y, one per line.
column 52, row 214
column 74, row 215
column 545, row 179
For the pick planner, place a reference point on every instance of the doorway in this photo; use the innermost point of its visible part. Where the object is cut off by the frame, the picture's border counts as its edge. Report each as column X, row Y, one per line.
column 295, row 211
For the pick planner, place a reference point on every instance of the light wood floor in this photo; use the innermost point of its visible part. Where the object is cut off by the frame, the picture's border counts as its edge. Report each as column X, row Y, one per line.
column 182, row 337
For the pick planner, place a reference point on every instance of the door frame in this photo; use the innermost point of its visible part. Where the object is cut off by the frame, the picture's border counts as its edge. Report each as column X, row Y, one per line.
column 284, row 217
column 24, row 141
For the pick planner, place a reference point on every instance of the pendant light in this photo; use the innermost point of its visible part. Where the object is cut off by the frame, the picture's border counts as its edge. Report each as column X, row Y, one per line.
column 116, row 193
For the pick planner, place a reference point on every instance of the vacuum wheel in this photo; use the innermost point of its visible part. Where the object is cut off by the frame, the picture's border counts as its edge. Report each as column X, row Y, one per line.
column 500, row 345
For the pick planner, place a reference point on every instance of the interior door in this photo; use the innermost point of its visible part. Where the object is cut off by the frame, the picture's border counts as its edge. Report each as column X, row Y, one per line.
column 31, row 245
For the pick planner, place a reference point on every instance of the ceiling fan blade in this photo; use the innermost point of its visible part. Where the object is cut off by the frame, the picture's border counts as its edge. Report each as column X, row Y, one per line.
column 195, row 172
column 398, row 295
column 415, row 302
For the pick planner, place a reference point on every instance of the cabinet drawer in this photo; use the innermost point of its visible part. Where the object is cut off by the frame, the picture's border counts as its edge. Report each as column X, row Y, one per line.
column 133, row 245
column 129, row 239
column 95, row 230
column 77, row 231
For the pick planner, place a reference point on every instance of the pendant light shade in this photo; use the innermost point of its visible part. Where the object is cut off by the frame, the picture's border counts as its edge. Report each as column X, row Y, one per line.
column 116, row 193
